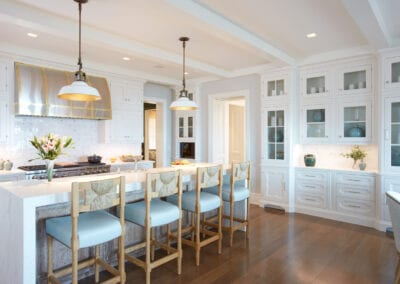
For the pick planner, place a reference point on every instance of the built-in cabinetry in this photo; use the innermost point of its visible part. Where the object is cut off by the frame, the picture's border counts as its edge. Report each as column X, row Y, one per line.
column 126, row 125
column 4, row 101
column 128, row 166
column 185, row 126
column 336, row 113
column 391, row 71
column 276, row 104
column 341, row 195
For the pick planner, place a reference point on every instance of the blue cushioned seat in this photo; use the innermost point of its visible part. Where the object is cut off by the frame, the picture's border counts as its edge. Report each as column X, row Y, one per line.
column 208, row 201
column 240, row 192
column 94, row 228
column 161, row 212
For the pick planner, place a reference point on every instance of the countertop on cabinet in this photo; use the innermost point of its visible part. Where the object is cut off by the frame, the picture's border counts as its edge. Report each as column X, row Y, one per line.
column 353, row 171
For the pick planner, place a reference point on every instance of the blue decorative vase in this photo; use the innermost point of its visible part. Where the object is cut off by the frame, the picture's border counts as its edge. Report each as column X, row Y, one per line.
column 355, row 132
column 309, row 160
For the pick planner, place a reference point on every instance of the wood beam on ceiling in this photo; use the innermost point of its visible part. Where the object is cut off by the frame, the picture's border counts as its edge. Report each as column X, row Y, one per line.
column 221, row 23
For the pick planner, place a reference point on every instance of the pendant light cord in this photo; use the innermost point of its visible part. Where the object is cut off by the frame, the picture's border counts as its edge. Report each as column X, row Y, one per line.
column 80, row 16
column 183, row 80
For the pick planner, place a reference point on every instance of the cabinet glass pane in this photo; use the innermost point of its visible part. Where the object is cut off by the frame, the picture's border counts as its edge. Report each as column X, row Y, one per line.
column 315, row 115
column 316, row 85
column 280, row 118
column 396, row 72
column 190, row 121
column 354, row 121
column 279, row 136
column 181, row 122
column 271, row 151
column 271, row 118
column 190, row 132
column 395, row 156
column 271, row 89
column 395, row 113
column 280, row 87
column 355, row 80
column 280, row 153
column 271, row 134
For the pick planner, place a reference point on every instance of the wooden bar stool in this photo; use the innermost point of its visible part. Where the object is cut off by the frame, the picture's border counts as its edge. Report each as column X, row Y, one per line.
column 90, row 225
column 199, row 202
column 237, row 189
column 154, row 212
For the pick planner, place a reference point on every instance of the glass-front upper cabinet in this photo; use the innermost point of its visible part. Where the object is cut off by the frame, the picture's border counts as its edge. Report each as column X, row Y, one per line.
column 355, row 80
column 275, row 87
column 395, row 134
column 354, row 122
column 185, row 127
column 314, row 83
column 315, row 124
column 392, row 72
column 275, row 135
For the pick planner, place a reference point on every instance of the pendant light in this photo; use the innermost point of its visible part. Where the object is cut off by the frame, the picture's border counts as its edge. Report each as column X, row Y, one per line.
column 183, row 102
column 79, row 90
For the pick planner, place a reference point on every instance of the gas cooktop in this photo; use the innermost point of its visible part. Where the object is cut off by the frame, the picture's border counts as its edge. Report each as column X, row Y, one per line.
column 65, row 170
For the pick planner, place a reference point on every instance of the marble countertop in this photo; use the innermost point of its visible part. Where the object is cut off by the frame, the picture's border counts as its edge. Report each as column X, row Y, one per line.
column 356, row 170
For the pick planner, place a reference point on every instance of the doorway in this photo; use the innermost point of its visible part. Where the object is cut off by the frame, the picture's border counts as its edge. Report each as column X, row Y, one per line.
column 152, row 146
column 228, row 124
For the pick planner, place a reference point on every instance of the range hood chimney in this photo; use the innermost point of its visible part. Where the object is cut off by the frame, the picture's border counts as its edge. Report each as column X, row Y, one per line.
column 36, row 94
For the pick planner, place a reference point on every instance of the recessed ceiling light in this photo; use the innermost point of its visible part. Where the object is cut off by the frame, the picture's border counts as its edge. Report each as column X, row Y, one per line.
column 311, row 35
column 126, row 58
column 158, row 66
column 186, row 73
column 32, row 35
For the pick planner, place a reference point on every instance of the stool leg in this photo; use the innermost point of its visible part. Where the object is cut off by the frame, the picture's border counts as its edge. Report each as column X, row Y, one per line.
column 148, row 252
column 198, row 238
column 220, row 212
column 121, row 257
column 231, row 210
column 96, row 264
column 180, row 245
column 193, row 227
column 247, row 218
column 49, row 257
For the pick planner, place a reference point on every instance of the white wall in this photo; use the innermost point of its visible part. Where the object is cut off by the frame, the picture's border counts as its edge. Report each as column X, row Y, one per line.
column 250, row 83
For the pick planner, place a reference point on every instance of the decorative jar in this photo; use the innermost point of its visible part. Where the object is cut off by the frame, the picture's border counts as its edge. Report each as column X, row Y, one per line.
column 309, row 160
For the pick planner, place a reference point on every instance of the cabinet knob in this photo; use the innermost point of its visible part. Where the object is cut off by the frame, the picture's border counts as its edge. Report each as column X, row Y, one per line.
column 387, row 82
column 340, row 136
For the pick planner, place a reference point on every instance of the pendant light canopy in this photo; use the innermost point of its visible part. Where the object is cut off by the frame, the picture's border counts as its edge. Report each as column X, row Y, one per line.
column 183, row 102
column 79, row 90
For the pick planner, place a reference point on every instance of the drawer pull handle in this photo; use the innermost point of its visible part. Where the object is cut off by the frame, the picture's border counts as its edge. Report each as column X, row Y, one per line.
column 357, row 180
column 354, row 206
column 309, row 186
column 353, row 191
column 310, row 176
column 310, row 199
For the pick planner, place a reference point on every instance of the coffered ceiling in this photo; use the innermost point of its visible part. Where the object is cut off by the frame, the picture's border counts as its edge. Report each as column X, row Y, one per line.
column 227, row 37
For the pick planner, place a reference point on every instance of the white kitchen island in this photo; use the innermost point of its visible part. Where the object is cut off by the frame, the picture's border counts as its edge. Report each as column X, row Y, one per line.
column 19, row 201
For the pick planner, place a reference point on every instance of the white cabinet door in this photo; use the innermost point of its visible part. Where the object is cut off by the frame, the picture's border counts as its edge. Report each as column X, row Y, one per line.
column 392, row 134
column 315, row 83
column 126, row 94
column 275, row 87
column 391, row 72
column 275, row 135
column 3, row 121
column 275, row 185
column 4, row 76
column 354, row 80
column 315, row 124
column 354, row 122
column 312, row 189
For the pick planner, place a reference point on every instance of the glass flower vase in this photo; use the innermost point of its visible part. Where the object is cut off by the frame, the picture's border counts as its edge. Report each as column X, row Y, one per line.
column 49, row 169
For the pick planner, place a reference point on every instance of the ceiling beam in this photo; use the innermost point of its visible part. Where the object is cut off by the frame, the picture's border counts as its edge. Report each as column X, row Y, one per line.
column 18, row 14
column 367, row 16
column 216, row 20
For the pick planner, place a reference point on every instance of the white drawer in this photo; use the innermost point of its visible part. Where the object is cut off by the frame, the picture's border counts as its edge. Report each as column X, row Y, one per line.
column 355, row 179
column 312, row 175
column 310, row 187
column 358, row 192
column 311, row 200
column 355, row 207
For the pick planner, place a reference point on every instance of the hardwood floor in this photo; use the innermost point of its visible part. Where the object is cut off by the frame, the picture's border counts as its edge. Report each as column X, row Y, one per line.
column 286, row 248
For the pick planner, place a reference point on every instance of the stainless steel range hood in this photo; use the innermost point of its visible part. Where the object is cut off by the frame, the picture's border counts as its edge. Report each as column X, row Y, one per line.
column 36, row 94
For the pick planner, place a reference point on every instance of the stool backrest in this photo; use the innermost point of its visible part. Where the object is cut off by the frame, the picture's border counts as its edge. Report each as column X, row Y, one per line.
column 393, row 201
column 209, row 176
column 162, row 184
column 97, row 195
column 240, row 171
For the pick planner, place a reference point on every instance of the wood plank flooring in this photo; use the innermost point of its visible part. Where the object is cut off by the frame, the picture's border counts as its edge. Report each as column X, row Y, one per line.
column 286, row 248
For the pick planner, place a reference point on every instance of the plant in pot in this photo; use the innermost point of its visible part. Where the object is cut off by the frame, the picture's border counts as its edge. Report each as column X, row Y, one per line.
column 357, row 154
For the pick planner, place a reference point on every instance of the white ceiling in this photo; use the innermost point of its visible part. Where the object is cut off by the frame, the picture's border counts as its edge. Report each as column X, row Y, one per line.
column 227, row 37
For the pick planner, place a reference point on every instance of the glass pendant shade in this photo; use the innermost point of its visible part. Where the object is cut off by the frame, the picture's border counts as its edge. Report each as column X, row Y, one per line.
column 79, row 90
column 183, row 102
